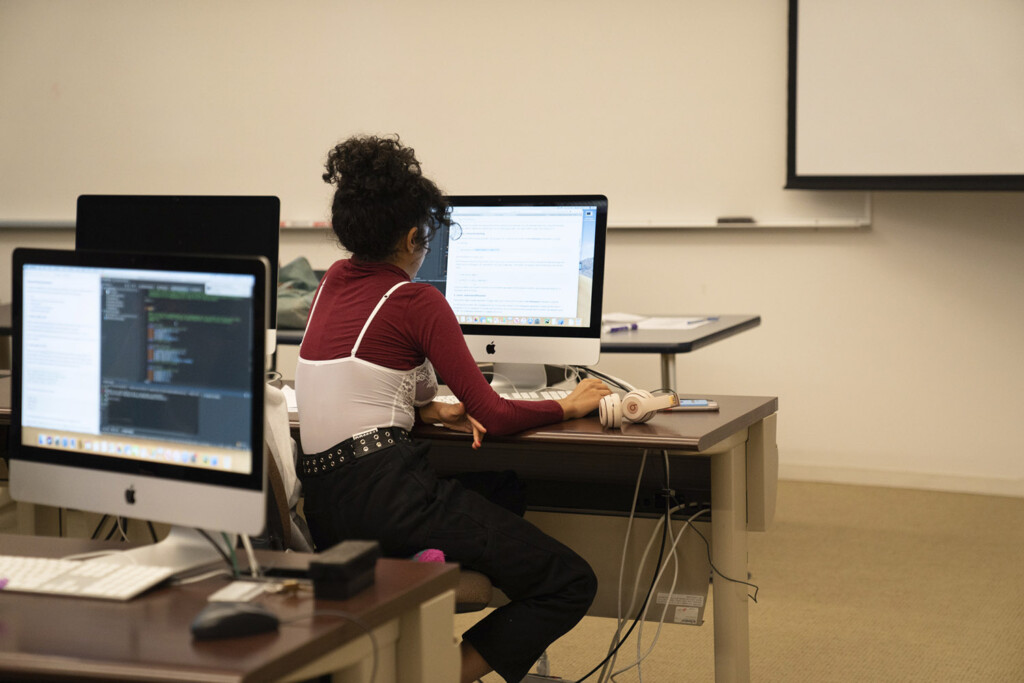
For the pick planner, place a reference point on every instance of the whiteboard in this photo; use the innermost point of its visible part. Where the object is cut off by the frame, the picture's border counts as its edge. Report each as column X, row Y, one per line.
column 909, row 94
column 673, row 109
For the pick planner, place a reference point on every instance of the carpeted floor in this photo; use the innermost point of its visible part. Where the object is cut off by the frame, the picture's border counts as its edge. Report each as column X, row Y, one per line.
column 856, row 584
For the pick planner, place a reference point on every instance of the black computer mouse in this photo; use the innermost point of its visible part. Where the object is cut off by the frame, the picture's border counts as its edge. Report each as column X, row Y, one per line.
column 232, row 619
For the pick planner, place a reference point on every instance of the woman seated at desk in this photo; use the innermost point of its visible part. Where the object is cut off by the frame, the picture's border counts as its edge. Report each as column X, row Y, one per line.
column 366, row 365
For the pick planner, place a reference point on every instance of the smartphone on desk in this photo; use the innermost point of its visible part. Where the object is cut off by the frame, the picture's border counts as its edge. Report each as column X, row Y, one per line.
column 693, row 405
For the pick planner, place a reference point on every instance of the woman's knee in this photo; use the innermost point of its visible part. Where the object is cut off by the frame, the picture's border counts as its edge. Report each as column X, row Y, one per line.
column 582, row 589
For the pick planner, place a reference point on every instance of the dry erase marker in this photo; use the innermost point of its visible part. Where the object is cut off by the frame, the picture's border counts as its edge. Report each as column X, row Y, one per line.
column 623, row 328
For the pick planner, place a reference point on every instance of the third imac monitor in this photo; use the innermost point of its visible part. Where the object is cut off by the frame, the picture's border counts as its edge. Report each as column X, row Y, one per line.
column 524, row 276
column 137, row 390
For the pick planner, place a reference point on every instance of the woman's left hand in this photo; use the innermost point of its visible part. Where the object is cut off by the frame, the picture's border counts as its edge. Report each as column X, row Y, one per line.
column 454, row 416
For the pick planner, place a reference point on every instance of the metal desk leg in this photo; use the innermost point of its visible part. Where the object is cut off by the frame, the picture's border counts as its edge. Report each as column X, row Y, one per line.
column 729, row 552
column 668, row 371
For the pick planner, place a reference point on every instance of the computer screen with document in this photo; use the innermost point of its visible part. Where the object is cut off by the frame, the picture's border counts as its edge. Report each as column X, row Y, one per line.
column 524, row 275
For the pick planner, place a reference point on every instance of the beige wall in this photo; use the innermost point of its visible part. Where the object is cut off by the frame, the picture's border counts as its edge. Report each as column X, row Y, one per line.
column 894, row 350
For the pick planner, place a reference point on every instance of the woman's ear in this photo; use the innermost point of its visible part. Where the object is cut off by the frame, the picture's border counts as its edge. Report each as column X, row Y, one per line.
column 410, row 240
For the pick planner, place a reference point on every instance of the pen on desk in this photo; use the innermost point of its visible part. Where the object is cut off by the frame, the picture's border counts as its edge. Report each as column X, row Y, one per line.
column 623, row 328
column 709, row 319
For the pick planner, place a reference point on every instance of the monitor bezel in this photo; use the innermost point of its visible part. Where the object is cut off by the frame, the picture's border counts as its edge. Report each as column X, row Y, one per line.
column 591, row 331
column 256, row 266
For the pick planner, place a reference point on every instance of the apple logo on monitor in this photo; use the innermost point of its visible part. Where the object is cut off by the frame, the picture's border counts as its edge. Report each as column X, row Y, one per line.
column 490, row 349
column 129, row 495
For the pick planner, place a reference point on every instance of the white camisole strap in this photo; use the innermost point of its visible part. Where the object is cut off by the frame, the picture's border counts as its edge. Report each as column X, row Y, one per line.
column 373, row 314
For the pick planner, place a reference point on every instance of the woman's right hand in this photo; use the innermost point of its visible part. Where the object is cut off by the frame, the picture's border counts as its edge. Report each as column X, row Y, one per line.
column 584, row 398
column 453, row 416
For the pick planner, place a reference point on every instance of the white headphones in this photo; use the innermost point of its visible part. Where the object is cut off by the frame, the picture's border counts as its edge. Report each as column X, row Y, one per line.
column 636, row 406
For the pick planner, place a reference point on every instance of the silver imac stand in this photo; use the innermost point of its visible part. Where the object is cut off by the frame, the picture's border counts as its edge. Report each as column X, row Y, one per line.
column 184, row 549
column 518, row 377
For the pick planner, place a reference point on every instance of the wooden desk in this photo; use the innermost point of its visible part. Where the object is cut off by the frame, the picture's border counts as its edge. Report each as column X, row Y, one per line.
column 731, row 453
column 669, row 343
column 594, row 470
column 410, row 609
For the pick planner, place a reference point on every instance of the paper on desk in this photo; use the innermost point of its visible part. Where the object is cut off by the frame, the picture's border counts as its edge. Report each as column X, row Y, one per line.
column 673, row 323
column 657, row 323
column 611, row 318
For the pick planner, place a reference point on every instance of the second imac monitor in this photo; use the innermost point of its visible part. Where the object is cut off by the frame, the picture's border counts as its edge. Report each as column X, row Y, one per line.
column 184, row 224
column 524, row 275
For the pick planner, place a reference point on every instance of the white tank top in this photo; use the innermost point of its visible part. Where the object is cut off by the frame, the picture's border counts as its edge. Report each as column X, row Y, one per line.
column 345, row 396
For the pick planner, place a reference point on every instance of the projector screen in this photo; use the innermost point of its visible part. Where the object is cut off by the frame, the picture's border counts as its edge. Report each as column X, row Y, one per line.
column 912, row 94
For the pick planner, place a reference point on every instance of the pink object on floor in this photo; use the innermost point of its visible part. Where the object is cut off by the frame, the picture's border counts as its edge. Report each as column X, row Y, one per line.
column 429, row 555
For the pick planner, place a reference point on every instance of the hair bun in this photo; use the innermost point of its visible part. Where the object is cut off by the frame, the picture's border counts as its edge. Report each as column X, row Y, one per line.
column 381, row 194
column 371, row 165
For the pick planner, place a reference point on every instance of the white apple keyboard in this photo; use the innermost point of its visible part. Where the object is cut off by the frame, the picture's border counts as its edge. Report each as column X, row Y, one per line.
column 87, row 579
column 539, row 395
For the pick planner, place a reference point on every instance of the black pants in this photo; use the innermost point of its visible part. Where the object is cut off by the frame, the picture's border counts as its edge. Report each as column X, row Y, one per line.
column 396, row 498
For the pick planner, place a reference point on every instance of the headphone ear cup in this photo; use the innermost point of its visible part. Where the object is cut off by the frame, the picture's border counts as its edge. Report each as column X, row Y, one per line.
column 635, row 406
column 609, row 410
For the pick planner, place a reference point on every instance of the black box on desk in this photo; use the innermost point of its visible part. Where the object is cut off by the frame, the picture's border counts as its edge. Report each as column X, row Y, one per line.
column 343, row 570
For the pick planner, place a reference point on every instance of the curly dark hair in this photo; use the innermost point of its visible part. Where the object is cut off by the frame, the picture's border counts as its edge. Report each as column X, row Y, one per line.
column 381, row 193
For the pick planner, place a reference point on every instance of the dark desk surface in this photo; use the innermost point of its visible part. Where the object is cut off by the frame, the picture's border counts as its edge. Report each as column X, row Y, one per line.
column 679, row 431
column 640, row 341
column 579, row 466
column 676, row 431
column 148, row 638
column 677, row 341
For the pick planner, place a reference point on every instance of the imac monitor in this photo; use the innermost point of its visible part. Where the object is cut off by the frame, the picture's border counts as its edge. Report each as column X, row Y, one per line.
column 137, row 387
column 524, row 276
column 184, row 224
